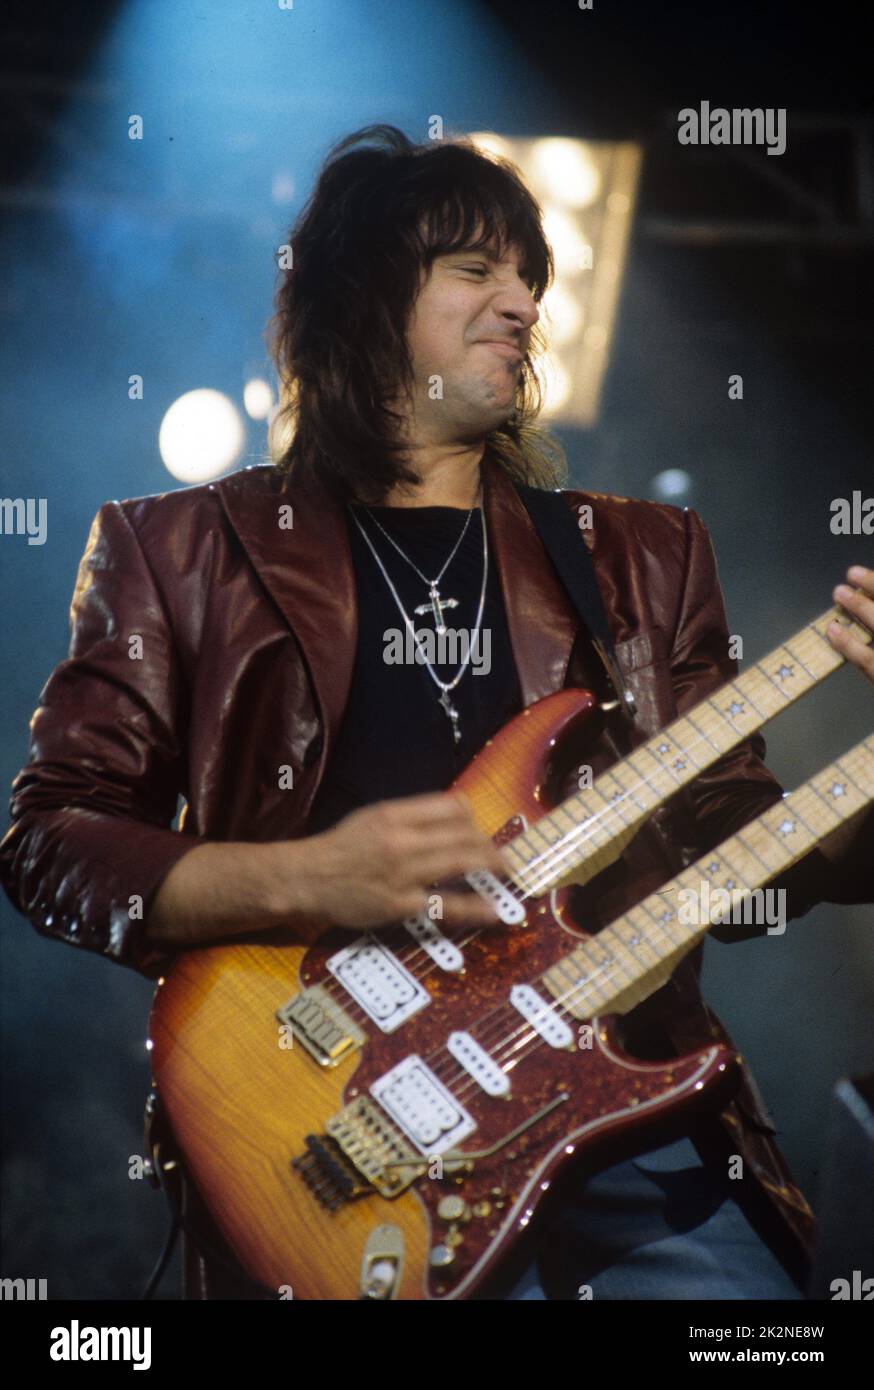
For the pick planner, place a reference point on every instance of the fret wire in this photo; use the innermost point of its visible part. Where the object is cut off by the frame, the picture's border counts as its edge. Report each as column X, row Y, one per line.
column 778, row 685
column 814, row 655
column 535, row 830
column 643, row 929
column 732, row 868
column 789, row 814
column 630, row 760
column 633, row 947
column 624, row 954
column 794, row 807
column 749, row 700
column 593, row 839
column 829, row 805
column 755, row 854
column 703, row 734
column 721, row 723
column 659, row 921
column 615, row 959
column 614, row 803
column 661, row 766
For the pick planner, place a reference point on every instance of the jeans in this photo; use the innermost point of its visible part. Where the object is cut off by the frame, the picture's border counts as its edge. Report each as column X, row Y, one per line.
column 661, row 1226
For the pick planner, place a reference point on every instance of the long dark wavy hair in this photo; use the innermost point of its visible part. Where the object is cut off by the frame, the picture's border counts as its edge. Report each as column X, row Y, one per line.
column 383, row 209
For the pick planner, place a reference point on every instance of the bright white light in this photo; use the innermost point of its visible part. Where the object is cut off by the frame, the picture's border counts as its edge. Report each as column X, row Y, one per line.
column 492, row 144
column 258, row 398
column 555, row 382
column 562, row 315
column 201, row 436
column 673, row 482
column 566, row 172
column 569, row 246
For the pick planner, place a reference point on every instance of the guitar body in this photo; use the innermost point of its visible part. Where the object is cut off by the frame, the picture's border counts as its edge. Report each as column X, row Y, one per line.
column 249, row 1111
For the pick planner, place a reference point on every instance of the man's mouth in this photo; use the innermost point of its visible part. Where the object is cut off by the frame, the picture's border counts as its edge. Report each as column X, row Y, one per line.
column 501, row 345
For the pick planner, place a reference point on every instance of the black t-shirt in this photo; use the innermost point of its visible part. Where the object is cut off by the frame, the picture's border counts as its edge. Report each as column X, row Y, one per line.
column 396, row 739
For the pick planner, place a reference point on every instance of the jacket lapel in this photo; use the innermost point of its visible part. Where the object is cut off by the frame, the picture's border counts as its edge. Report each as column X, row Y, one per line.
column 542, row 622
column 308, row 572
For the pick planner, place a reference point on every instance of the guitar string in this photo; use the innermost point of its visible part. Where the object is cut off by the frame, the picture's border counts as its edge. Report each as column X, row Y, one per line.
column 806, row 634
column 578, row 992
column 461, row 1083
column 549, row 860
column 646, row 930
column 554, row 1002
column 412, row 957
column 653, row 932
column 583, row 987
column 518, row 1039
column 545, row 858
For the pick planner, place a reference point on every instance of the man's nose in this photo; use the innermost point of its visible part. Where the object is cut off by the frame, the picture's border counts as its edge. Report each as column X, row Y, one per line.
column 516, row 302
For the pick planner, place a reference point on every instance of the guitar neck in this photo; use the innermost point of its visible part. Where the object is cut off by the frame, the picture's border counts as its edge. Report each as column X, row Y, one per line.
column 630, row 959
column 587, row 831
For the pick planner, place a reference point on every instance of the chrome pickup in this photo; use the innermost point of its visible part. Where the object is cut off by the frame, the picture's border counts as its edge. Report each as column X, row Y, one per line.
column 322, row 1025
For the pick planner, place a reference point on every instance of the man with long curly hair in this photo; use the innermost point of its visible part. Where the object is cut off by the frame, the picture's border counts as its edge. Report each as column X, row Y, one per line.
column 404, row 337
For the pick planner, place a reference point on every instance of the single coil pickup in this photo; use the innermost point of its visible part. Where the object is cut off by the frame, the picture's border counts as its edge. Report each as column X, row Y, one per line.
column 485, row 1071
column 508, row 907
column 542, row 1016
column 442, row 951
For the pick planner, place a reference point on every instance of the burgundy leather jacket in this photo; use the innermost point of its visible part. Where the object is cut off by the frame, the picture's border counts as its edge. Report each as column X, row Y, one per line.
column 247, row 634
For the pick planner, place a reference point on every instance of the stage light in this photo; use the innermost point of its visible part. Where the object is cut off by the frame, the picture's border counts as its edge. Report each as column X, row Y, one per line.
column 258, row 398
column 201, row 436
column 556, row 384
column 565, row 172
column 671, row 483
column 562, row 314
column 564, row 235
column 587, row 191
column 491, row 143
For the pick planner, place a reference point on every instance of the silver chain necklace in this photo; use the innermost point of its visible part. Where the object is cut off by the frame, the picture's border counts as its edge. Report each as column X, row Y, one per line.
column 436, row 602
column 444, row 686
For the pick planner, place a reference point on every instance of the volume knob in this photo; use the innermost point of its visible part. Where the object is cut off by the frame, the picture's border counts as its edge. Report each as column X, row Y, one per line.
column 453, row 1209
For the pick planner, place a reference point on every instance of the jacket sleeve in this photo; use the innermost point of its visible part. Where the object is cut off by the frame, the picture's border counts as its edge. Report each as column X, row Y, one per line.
column 738, row 787
column 90, row 841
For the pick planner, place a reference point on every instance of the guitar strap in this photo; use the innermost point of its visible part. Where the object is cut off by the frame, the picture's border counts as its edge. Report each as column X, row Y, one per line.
column 570, row 556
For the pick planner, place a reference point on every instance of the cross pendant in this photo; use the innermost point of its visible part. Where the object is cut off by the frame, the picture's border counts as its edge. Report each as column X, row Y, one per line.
column 436, row 605
column 451, row 714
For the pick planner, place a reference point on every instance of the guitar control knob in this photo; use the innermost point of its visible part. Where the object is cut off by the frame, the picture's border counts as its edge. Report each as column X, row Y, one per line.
column 453, row 1209
column 381, row 1280
column 441, row 1256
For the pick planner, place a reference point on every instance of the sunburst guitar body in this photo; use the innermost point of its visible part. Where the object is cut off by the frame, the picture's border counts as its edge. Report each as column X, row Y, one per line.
column 384, row 1116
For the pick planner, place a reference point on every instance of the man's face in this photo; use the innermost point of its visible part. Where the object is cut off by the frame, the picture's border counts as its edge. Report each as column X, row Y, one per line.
column 470, row 326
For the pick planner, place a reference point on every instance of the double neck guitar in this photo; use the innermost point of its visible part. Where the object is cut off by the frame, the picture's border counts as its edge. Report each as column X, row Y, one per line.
column 385, row 1116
